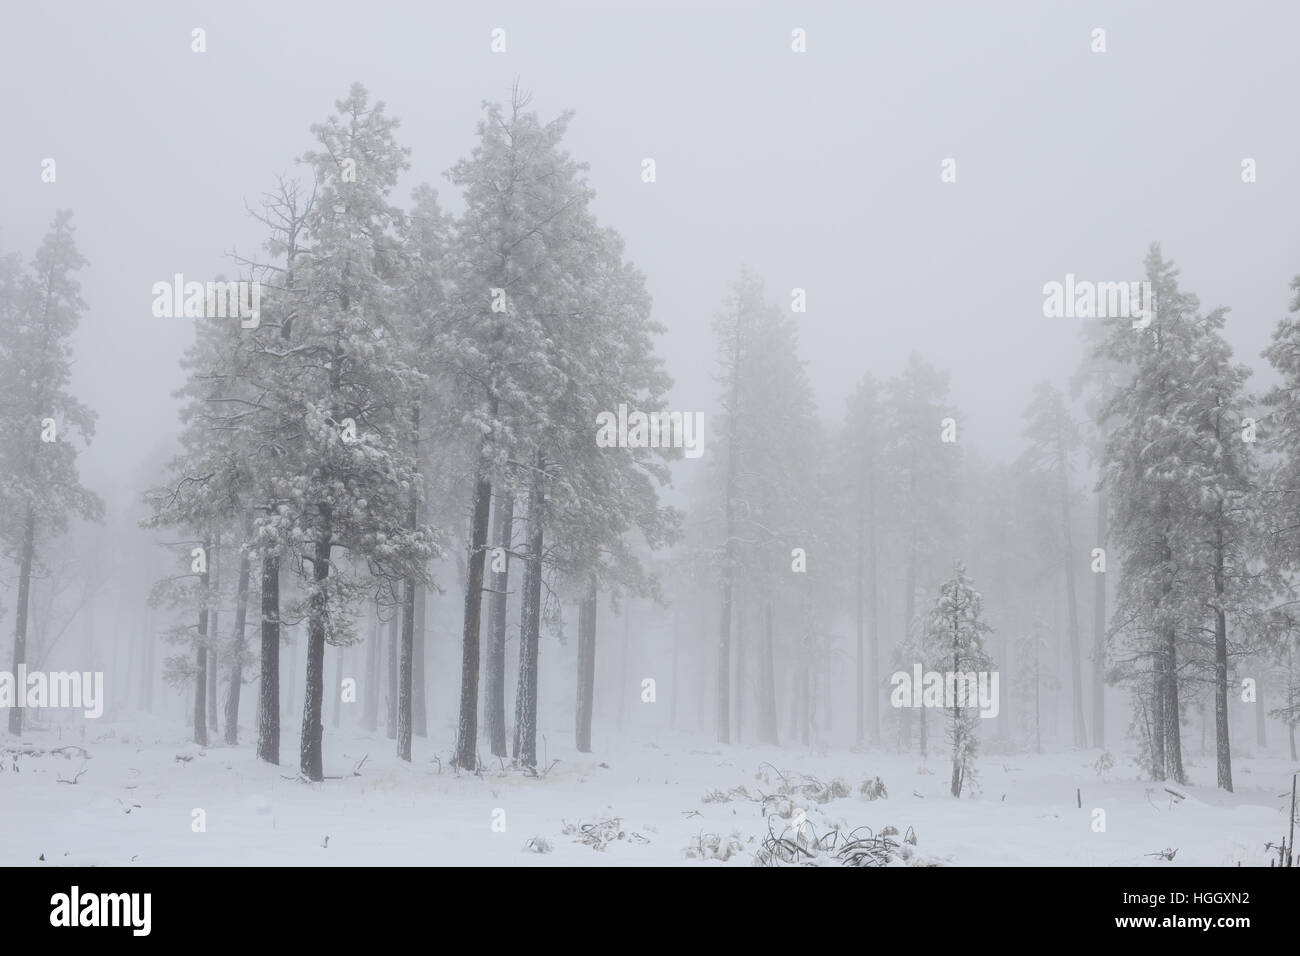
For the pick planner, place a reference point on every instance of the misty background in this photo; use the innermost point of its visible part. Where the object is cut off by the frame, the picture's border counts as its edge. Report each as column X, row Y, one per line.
column 819, row 171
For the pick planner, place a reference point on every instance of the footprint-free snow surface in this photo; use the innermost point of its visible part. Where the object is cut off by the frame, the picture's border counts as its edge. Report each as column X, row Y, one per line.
column 138, row 793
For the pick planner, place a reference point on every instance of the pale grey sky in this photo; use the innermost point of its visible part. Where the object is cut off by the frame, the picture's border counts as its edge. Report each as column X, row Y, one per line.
column 820, row 170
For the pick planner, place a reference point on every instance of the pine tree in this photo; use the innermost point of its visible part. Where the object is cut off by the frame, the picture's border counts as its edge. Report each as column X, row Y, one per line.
column 956, row 632
column 40, row 488
column 1146, row 471
column 513, row 254
column 1053, row 439
column 357, row 475
column 762, row 487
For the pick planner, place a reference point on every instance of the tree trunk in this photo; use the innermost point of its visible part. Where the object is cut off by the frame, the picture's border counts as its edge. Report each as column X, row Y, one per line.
column 873, row 631
column 494, row 705
column 370, row 711
column 312, row 765
column 201, row 677
column 1173, row 729
column 390, row 664
column 405, row 676
column 859, row 609
column 1068, row 560
column 419, row 689
column 1222, row 747
column 467, row 729
column 268, row 721
column 238, row 648
column 1159, row 770
column 957, row 727
column 1038, row 715
column 728, row 560
column 724, row 661
column 587, row 611
column 214, row 630
column 909, row 609
column 1099, row 631
column 1292, row 702
column 20, row 618
column 530, row 632
column 405, row 651
column 419, row 716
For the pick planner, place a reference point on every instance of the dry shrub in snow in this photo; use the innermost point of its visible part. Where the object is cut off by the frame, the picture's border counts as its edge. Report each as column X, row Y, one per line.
column 873, row 789
column 711, row 846
column 861, row 846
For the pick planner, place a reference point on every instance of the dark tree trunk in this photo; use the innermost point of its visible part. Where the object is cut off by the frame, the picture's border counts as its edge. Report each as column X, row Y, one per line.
column 238, row 647
column 312, row 765
column 530, row 632
column 419, row 703
column 467, row 728
column 419, row 722
column 1173, row 729
column 214, row 629
column 495, row 692
column 1159, row 770
column 587, row 610
column 268, row 720
column 404, row 671
column 21, row 614
column 1222, row 746
column 405, row 677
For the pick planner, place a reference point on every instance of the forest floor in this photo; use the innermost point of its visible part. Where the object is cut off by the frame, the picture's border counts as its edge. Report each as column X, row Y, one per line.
column 671, row 800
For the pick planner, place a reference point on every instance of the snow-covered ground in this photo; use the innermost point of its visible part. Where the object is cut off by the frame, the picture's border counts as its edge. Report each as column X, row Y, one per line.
column 136, row 802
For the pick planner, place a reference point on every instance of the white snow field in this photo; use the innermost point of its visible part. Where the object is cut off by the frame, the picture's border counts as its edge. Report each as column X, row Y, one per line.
column 136, row 802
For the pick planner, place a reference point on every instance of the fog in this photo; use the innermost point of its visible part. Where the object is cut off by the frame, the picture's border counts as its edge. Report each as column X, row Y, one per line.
column 914, row 177
column 820, row 171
